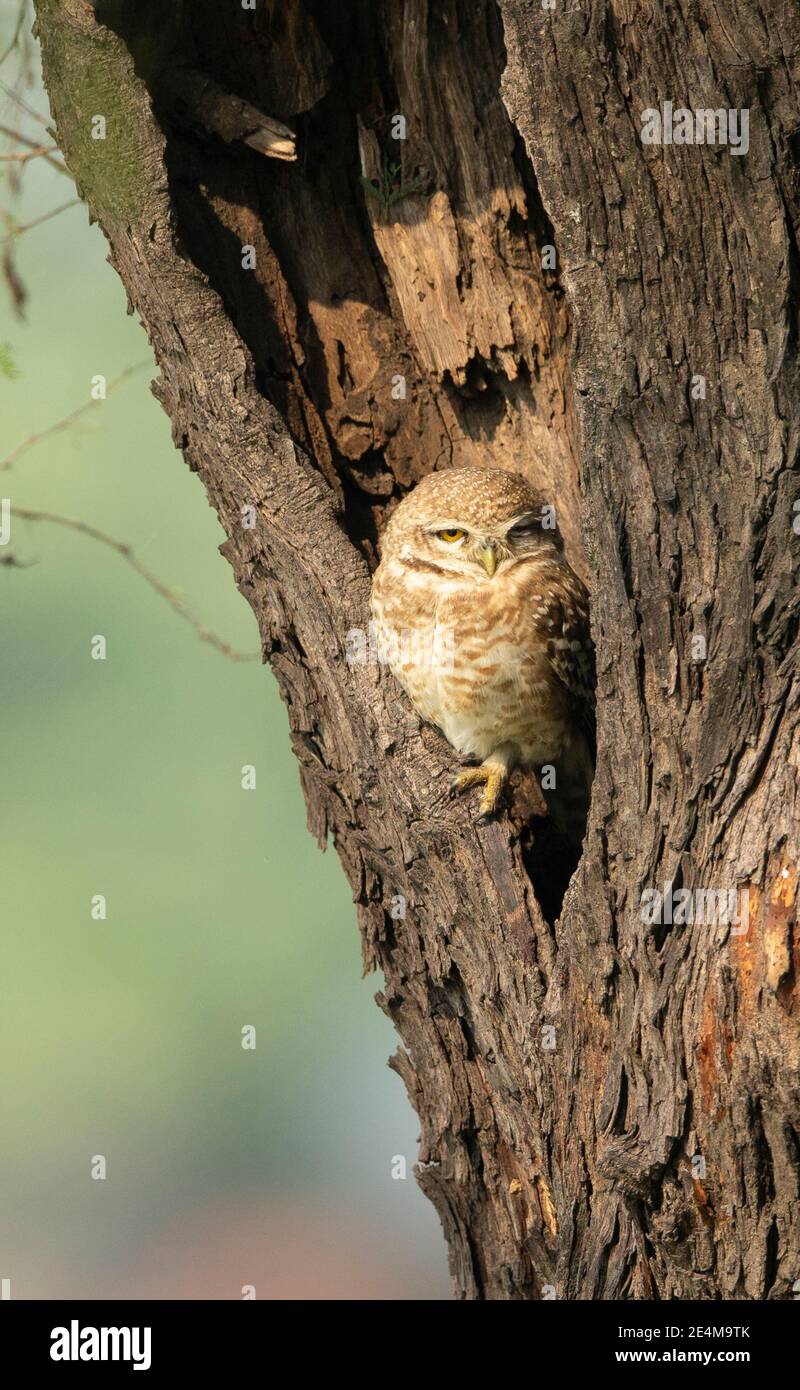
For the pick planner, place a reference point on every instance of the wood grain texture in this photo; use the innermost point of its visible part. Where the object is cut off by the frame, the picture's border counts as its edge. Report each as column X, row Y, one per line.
column 558, row 1160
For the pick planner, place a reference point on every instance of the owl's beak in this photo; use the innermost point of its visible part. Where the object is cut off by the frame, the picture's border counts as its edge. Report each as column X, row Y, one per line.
column 488, row 557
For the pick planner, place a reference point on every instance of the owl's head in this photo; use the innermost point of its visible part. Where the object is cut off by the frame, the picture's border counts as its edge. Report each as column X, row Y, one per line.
column 474, row 522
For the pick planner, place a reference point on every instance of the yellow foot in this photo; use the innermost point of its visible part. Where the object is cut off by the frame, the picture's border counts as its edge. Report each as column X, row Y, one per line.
column 489, row 775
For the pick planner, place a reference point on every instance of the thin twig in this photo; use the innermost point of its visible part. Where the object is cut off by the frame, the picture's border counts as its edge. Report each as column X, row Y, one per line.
column 16, row 287
column 37, row 221
column 20, row 101
column 22, row 156
column 64, row 424
column 205, row 635
column 17, row 31
column 33, row 144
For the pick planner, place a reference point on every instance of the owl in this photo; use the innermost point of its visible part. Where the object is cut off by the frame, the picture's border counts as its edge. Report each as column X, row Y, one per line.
column 486, row 627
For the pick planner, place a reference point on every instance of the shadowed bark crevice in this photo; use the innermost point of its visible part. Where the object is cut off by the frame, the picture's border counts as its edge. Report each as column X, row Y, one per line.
column 319, row 309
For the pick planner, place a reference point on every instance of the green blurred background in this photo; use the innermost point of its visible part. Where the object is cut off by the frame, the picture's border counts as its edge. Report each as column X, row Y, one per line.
column 122, row 1037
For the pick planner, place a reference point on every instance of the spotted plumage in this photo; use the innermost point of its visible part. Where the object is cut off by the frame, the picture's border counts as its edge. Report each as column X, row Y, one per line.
column 485, row 625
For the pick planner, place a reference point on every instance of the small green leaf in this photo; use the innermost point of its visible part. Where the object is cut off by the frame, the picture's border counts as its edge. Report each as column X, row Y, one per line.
column 8, row 367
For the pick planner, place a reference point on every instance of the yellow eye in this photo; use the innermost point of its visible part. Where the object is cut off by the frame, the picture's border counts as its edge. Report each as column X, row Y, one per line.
column 454, row 535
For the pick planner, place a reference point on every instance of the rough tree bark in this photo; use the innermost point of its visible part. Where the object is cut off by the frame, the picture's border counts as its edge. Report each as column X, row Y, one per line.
column 571, row 1168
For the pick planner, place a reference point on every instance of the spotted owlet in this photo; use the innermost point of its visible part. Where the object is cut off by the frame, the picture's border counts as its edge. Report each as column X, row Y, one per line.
column 485, row 625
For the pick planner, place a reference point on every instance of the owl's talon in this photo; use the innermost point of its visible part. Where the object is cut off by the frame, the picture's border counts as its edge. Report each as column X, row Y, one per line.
column 489, row 775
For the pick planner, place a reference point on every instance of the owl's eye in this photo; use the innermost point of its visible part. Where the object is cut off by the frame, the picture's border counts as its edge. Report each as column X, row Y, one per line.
column 454, row 535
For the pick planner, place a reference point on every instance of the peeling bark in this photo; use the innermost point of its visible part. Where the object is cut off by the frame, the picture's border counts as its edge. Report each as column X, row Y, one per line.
column 609, row 1109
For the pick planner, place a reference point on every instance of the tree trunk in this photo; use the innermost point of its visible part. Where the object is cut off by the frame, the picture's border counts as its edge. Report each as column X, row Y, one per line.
column 609, row 1106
